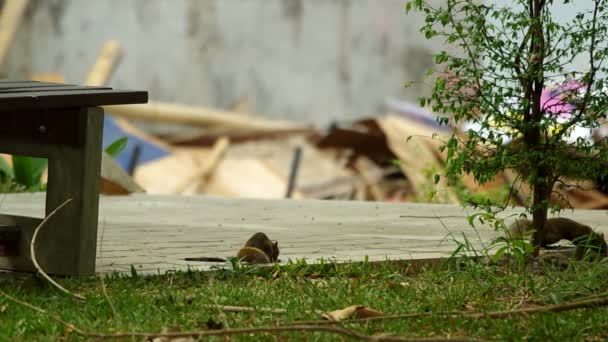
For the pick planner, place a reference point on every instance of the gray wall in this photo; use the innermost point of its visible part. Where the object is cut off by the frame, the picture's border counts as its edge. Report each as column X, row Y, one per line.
column 312, row 60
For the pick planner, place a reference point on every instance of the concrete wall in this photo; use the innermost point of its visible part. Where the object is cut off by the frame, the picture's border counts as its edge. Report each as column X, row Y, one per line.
column 312, row 60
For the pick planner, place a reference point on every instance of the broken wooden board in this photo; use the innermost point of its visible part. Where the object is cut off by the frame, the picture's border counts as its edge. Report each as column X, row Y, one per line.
column 155, row 233
column 166, row 174
column 10, row 17
column 246, row 178
column 316, row 170
column 417, row 155
column 197, row 181
column 161, row 112
column 106, row 63
column 207, row 136
column 114, row 180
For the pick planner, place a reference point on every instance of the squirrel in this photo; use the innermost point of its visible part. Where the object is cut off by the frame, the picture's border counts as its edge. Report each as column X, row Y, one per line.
column 259, row 249
column 559, row 228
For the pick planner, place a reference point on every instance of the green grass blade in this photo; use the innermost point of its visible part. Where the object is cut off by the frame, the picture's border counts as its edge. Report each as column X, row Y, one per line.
column 28, row 170
column 22, row 167
column 499, row 253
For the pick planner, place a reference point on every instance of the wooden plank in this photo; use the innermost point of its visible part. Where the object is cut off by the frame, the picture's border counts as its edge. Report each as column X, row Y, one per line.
column 208, row 136
column 189, row 115
column 246, row 178
column 164, row 175
column 10, row 18
column 81, row 98
column 206, row 170
column 131, row 129
column 49, row 89
column 106, row 63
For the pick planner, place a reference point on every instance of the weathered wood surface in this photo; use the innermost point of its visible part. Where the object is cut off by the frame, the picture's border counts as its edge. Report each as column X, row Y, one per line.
column 67, row 246
column 156, row 233
column 16, row 95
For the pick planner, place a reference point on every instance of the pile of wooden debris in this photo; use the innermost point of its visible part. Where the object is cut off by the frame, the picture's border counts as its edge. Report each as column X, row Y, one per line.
column 369, row 159
column 354, row 162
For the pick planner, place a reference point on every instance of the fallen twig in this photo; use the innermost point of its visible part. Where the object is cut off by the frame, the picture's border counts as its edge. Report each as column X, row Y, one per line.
column 585, row 302
column 367, row 319
column 44, row 312
column 33, row 253
column 278, row 329
column 591, row 301
column 230, row 308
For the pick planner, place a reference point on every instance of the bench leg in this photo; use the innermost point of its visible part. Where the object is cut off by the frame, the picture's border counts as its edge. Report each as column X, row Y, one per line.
column 68, row 245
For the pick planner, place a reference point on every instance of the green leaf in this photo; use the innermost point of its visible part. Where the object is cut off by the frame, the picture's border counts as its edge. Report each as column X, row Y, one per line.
column 22, row 167
column 440, row 85
column 116, row 147
column 396, row 162
column 28, row 170
column 499, row 253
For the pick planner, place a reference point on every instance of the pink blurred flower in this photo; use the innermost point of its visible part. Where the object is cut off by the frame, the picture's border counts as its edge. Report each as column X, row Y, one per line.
column 552, row 99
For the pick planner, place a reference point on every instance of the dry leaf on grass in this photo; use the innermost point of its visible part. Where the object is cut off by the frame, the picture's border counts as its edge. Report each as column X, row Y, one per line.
column 319, row 282
column 469, row 307
column 353, row 311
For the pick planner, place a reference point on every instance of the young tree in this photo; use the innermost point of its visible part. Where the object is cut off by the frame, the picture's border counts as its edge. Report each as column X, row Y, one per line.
column 521, row 75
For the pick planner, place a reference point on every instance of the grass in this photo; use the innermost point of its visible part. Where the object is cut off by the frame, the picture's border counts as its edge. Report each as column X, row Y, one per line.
column 177, row 302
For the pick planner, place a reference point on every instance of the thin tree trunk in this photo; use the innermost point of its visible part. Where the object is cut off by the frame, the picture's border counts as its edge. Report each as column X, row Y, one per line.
column 542, row 185
column 540, row 207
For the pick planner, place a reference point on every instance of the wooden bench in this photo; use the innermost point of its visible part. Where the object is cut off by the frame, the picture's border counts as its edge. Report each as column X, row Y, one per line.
column 64, row 124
